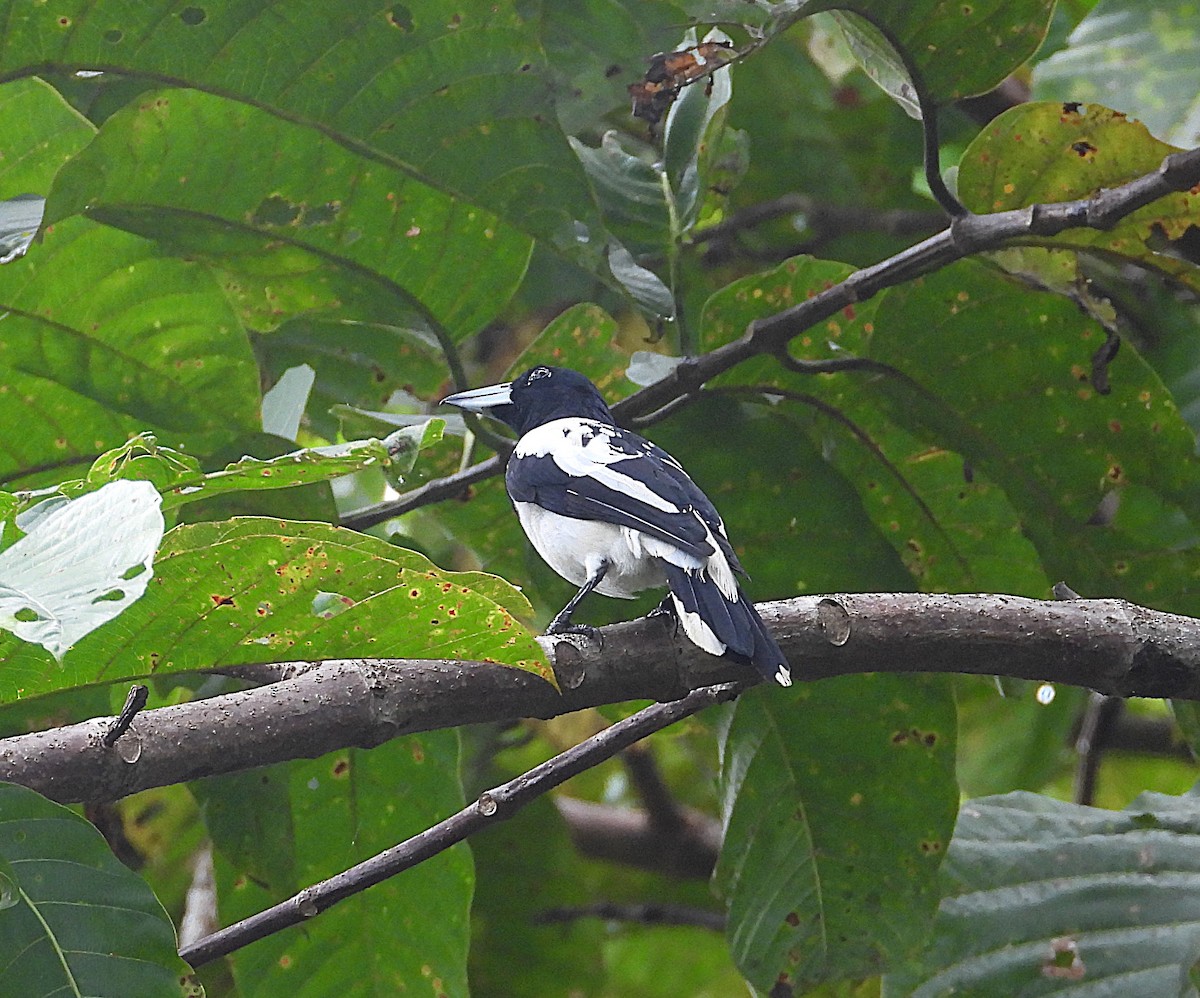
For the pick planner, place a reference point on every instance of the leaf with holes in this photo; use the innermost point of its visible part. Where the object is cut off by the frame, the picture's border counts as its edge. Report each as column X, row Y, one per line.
column 952, row 526
column 254, row 589
column 1050, row 898
column 461, row 99
column 74, row 920
column 1106, row 486
column 830, row 873
column 81, row 563
column 1046, row 152
column 308, row 192
column 1141, row 60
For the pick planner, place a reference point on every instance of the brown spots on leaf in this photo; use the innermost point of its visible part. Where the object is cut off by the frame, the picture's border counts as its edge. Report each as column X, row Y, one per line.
column 341, row 768
column 219, row 600
column 1084, row 150
column 792, row 919
column 931, row 847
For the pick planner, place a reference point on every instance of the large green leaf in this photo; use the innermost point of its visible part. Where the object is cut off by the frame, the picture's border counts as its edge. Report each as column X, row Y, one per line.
column 407, row 935
column 41, row 132
column 1055, row 152
column 1001, row 375
column 148, row 171
column 103, row 338
column 1144, row 60
column 795, row 522
column 954, row 531
column 457, row 97
column 1046, row 898
column 959, row 49
column 73, row 920
column 839, row 800
column 260, row 590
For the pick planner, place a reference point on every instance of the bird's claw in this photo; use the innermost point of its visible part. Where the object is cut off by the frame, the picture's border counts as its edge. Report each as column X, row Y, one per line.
column 666, row 609
column 592, row 633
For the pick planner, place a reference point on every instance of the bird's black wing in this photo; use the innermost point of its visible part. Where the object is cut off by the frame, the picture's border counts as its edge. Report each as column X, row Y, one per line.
column 598, row 472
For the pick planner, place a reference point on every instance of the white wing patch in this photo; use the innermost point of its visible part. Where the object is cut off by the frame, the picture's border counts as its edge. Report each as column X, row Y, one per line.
column 582, row 448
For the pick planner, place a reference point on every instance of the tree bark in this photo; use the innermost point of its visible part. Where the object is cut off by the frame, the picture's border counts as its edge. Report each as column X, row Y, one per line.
column 1110, row 646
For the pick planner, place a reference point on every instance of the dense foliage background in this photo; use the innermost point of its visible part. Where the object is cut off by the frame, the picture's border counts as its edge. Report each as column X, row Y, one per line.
column 279, row 225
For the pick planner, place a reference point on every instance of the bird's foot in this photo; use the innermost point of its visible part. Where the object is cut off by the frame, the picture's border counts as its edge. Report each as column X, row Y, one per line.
column 667, row 609
column 562, row 627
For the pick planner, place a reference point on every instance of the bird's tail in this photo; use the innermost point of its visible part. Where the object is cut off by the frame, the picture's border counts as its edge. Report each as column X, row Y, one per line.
column 724, row 626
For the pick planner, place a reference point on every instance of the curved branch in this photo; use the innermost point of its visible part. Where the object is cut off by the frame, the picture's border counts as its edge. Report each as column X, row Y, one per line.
column 968, row 234
column 1110, row 646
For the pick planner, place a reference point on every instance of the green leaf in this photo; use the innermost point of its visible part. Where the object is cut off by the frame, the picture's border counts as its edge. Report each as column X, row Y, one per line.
column 954, row 530
column 147, row 172
column 44, row 129
column 795, row 523
column 839, row 801
column 1001, row 375
column 103, row 338
column 460, row 99
column 1045, row 897
column 249, row 818
column 407, row 935
column 74, row 920
column 80, row 564
column 252, row 590
column 960, row 49
column 1143, row 60
column 1056, row 152
column 584, row 337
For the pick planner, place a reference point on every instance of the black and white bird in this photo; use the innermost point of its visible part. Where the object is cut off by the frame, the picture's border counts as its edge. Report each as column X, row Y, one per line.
column 610, row 511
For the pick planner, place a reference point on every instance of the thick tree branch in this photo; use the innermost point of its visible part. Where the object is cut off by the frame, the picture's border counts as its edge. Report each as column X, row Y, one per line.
column 967, row 234
column 1110, row 646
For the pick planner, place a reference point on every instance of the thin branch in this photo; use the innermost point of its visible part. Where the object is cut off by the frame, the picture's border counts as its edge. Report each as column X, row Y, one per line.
column 635, row 838
column 454, row 486
column 1098, row 720
column 492, row 806
column 644, row 913
column 1111, row 646
column 662, row 808
column 968, row 234
column 821, row 217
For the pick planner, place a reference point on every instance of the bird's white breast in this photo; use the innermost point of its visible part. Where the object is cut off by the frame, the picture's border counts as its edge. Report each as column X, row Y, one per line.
column 562, row 541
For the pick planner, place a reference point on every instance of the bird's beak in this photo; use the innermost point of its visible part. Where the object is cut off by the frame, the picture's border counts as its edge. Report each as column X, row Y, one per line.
column 481, row 399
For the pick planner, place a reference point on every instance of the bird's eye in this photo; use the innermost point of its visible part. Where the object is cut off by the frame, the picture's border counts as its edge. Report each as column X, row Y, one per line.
column 539, row 372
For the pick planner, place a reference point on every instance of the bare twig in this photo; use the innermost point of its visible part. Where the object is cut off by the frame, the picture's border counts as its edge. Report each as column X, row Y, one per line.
column 661, row 807
column 821, row 217
column 134, row 702
column 632, row 837
column 644, row 913
column 1111, row 646
column 1099, row 718
column 492, row 806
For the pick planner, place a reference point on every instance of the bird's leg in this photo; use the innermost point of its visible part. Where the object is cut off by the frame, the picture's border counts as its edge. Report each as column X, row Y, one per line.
column 561, row 624
column 667, row 609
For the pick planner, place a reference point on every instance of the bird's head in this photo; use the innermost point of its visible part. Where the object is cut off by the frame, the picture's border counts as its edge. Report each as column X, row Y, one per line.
column 536, row 397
